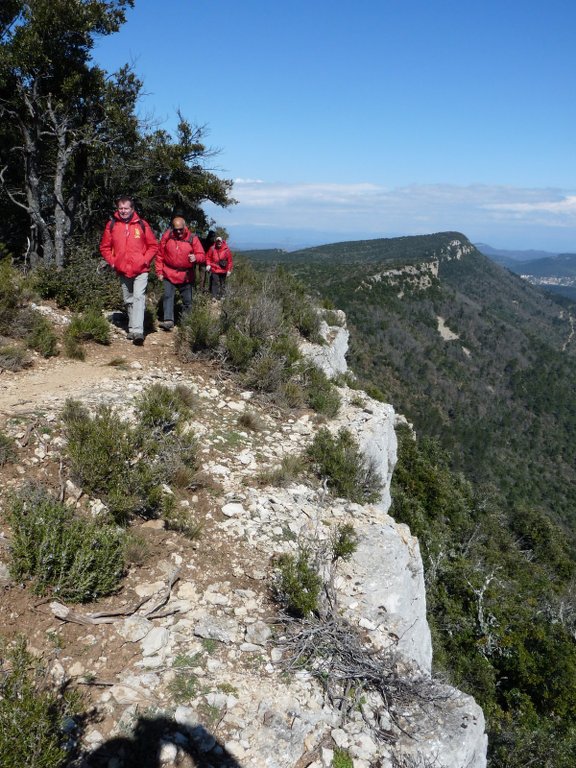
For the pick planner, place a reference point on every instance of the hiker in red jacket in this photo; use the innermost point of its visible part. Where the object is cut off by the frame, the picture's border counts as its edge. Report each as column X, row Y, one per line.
column 128, row 244
column 219, row 264
column 179, row 253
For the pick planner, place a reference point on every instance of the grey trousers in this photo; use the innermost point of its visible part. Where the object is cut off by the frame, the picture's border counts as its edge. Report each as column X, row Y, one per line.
column 134, row 295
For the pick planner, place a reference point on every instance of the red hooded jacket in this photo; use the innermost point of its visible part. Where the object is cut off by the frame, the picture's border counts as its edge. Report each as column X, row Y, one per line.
column 128, row 246
column 173, row 258
column 215, row 255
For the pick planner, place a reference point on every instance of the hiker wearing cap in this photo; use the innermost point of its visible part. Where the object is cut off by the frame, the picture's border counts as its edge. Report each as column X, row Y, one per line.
column 179, row 253
column 219, row 265
column 128, row 244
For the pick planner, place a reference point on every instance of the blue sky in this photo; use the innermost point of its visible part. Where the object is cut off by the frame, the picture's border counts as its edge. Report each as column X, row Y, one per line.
column 376, row 118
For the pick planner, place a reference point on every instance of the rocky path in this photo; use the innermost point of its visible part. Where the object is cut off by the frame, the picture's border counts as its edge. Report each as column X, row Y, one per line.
column 200, row 682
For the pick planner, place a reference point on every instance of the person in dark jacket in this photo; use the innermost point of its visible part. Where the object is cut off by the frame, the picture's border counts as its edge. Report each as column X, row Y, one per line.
column 219, row 265
column 178, row 254
column 128, row 244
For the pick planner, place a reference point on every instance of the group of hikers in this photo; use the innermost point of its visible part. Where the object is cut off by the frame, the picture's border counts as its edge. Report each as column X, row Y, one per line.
column 182, row 263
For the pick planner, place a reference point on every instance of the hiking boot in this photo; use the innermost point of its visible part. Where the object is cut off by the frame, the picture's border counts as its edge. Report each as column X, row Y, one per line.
column 166, row 325
column 138, row 339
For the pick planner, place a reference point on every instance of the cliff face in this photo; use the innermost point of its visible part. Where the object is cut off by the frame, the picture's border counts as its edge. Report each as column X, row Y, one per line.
column 383, row 591
column 209, row 673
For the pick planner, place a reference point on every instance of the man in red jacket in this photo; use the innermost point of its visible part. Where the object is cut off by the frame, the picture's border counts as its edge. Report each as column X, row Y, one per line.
column 179, row 253
column 129, row 245
column 219, row 264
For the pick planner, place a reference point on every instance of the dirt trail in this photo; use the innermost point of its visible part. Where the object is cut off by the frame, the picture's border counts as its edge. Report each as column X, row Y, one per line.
column 55, row 379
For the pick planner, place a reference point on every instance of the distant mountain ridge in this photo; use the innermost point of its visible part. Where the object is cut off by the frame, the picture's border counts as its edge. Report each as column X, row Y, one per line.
column 504, row 255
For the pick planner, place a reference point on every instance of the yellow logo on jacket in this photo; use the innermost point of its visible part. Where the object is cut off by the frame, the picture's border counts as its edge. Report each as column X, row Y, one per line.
column 137, row 234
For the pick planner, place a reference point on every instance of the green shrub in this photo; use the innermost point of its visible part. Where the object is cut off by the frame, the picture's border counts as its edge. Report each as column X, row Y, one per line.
column 290, row 469
column 75, row 559
column 161, row 407
column 199, row 329
column 73, row 348
column 342, row 759
column 37, row 332
column 81, row 285
column 176, row 459
column 7, row 449
column 292, row 393
column 297, row 306
column 252, row 310
column 32, row 713
column 89, row 326
column 321, row 395
column 333, row 318
column 181, row 519
column 299, row 583
column 13, row 358
column 124, row 465
column 340, row 461
column 344, row 542
column 252, row 421
column 240, row 348
column 268, row 371
column 101, row 450
column 375, row 393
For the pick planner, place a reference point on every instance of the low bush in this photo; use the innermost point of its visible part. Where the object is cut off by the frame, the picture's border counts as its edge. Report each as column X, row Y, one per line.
column 239, row 348
column 89, row 326
column 101, row 450
column 344, row 542
column 83, row 285
column 13, row 358
column 161, row 407
column 299, row 584
column 127, row 465
column 321, row 394
column 375, row 393
column 290, row 469
column 37, row 332
column 339, row 460
column 252, row 421
column 268, row 371
column 297, row 306
column 74, row 559
column 199, row 329
column 7, row 449
column 33, row 713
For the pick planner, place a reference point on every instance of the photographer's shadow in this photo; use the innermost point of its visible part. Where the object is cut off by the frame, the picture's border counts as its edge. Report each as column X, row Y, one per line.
column 160, row 742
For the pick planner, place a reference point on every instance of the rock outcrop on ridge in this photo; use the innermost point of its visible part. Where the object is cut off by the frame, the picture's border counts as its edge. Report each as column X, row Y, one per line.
column 209, row 677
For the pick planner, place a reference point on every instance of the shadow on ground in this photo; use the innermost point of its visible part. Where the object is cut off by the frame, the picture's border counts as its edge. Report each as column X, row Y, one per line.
column 153, row 744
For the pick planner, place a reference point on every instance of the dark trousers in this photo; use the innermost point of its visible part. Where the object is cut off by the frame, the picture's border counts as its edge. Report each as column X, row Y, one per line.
column 185, row 290
column 217, row 284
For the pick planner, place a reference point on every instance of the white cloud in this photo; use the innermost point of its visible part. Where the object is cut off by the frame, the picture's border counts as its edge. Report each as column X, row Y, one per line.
column 371, row 210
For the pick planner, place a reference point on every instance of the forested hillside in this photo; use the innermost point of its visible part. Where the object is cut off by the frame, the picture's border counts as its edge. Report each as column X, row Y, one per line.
column 484, row 366
column 500, row 396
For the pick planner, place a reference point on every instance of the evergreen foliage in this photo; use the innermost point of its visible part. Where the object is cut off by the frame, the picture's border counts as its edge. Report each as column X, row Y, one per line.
column 339, row 460
column 127, row 465
column 75, row 559
column 496, row 579
column 32, row 713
